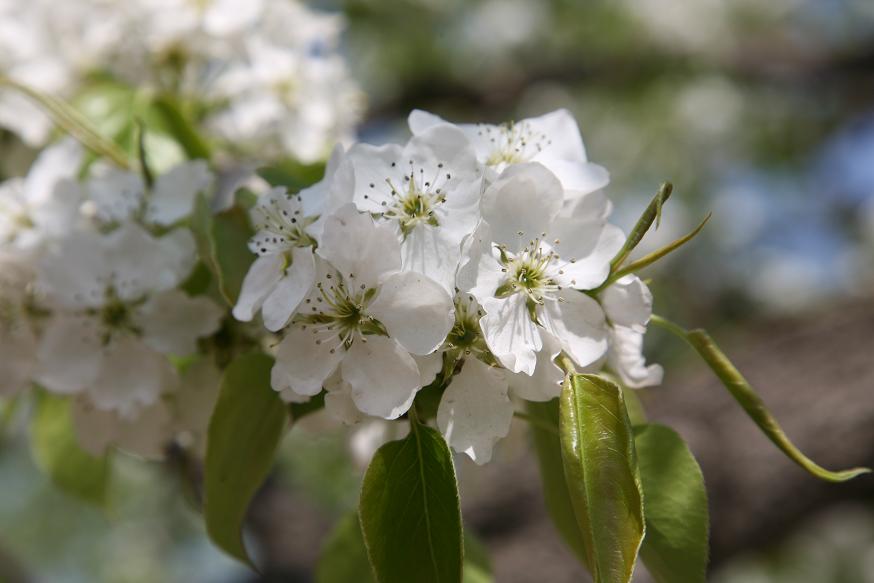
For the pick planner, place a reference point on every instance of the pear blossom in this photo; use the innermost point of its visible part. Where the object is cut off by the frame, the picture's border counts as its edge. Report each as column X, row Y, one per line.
column 364, row 317
column 628, row 306
column 552, row 139
column 475, row 410
column 18, row 338
column 428, row 191
column 529, row 267
column 45, row 203
column 116, row 312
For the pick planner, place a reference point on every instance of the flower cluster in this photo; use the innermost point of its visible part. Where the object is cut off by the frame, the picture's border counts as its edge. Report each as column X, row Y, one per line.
column 267, row 72
column 91, row 298
column 470, row 259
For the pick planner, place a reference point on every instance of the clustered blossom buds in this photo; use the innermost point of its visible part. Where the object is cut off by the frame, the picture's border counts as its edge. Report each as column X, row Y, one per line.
column 269, row 72
column 470, row 258
column 91, row 298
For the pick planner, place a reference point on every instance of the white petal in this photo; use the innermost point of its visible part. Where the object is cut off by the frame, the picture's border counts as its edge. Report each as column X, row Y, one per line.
column 521, row 205
column 429, row 365
column 510, row 334
column 70, row 354
column 142, row 264
column 628, row 302
column 578, row 323
column 587, row 249
column 116, row 194
column 286, row 296
column 578, row 178
column 420, row 121
column 340, row 406
column 146, row 435
column 56, row 163
column 132, row 377
column 446, row 144
column 76, row 273
column 562, row 133
column 627, row 360
column 383, row 376
column 359, row 248
column 475, row 411
column 302, row 364
column 194, row 401
column 415, row 311
column 262, row 277
column 479, row 271
column 173, row 196
column 428, row 250
column 172, row 321
column 545, row 383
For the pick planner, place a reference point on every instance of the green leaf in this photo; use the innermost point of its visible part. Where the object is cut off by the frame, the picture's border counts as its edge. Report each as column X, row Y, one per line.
column 298, row 411
column 344, row 556
column 600, row 466
column 410, row 511
column 244, row 432
column 675, row 547
column 746, row 396
column 292, row 174
column 544, row 434
column 652, row 213
column 57, row 453
column 222, row 243
column 180, row 126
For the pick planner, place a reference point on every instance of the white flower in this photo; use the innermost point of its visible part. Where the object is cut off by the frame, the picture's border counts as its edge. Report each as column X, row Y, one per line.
column 45, row 204
column 146, row 434
column 116, row 313
column 527, row 265
column 475, row 411
column 192, row 404
column 628, row 306
column 552, row 140
column 366, row 318
column 172, row 197
column 428, row 190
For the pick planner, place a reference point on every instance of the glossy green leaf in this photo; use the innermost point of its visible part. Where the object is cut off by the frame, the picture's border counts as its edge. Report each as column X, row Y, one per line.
column 747, row 397
column 222, row 243
column 675, row 548
column 58, row 454
column 547, row 445
column 600, row 466
column 344, row 556
column 244, row 432
column 409, row 510
column 180, row 126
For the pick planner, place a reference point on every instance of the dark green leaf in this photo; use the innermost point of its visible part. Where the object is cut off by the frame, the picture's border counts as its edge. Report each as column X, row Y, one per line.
column 292, row 175
column 544, row 433
column 222, row 243
column 58, row 454
column 600, row 467
column 675, row 547
column 410, row 511
column 746, row 396
column 298, row 411
column 344, row 556
column 244, row 432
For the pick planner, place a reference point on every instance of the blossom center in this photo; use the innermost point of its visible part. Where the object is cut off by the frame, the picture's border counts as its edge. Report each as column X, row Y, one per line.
column 415, row 203
column 339, row 315
column 281, row 226
column 512, row 143
column 532, row 272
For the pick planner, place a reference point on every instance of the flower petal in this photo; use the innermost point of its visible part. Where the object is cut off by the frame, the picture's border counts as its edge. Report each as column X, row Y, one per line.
column 475, row 411
column 172, row 321
column 587, row 248
column 286, row 296
column 578, row 322
column 510, row 334
column 383, row 376
column 628, row 302
column 521, row 205
column 303, row 361
column 173, row 196
column 578, row 178
column 415, row 311
column 70, row 355
column 545, row 383
column 626, row 359
column 262, row 277
column 359, row 249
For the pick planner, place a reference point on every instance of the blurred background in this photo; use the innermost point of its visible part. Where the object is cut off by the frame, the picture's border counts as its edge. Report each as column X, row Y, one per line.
column 761, row 112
